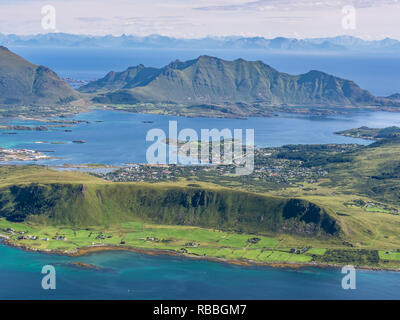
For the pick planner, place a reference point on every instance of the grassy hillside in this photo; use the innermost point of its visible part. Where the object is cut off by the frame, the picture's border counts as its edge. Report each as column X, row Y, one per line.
column 205, row 220
column 36, row 194
column 372, row 171
column 362, row 187
column 23, row 83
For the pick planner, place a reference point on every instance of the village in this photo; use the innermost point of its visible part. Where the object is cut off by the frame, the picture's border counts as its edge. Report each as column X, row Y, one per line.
column 269, row 171
column 23, row 235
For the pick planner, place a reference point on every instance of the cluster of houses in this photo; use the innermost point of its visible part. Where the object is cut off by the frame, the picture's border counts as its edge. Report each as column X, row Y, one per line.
column 27, row 237
column 62, row 238
column 141, row 173
column 102, row 237
column 267, row 167
column 22, row 235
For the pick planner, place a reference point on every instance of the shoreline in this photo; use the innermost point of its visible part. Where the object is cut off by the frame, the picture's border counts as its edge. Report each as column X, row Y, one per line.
column 85, row 251
column 273, row 111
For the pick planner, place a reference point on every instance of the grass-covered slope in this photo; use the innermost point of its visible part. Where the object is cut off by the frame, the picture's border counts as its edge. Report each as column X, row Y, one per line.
column 209, row 80
column 23, row 83
column 85, row 201
column 373, row 171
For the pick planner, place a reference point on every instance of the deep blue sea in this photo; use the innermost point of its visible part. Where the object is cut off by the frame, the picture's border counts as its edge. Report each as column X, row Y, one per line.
column 120, row 138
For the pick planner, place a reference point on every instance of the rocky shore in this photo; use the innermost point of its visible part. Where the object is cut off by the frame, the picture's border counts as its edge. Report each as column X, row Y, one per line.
column 85, row 265
column 7, row 155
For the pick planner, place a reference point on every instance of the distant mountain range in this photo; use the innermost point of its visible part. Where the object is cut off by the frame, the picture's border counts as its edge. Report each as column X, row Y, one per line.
column 23, row 83
column 334, row 44
column 210, row 80
column 395, row 97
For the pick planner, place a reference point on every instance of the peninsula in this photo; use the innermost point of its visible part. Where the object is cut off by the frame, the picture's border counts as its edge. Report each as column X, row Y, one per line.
column 345, row 214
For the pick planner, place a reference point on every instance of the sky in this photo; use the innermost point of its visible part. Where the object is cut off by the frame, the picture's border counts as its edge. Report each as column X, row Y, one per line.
column 370, row 19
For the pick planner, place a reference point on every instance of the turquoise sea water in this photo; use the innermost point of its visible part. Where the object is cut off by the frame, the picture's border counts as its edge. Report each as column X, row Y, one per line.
column 126, row 275
column 121, row 138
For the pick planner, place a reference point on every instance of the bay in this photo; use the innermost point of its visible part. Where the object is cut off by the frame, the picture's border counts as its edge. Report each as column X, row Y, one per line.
column 117, row 137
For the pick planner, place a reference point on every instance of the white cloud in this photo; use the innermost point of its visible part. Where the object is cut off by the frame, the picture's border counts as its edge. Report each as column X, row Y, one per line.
column 293, row 5
column 199, row 18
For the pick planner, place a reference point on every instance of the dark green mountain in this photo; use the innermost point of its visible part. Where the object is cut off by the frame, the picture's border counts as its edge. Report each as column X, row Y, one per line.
column 23, row 83
column 208, row 80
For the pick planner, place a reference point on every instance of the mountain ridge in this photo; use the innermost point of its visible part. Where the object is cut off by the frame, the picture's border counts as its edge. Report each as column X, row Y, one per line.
column 328, row 44
column 210, row 80
column 24, row 83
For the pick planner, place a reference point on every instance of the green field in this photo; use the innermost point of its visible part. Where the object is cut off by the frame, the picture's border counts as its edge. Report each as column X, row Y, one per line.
column 209, row 243
column 376, row 209
column 394, row 256
column 187, row 241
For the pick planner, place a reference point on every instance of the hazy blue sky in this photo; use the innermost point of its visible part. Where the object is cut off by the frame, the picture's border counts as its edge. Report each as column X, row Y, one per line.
column 375, row 19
